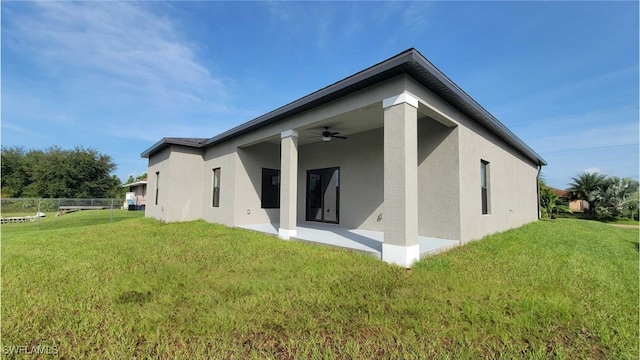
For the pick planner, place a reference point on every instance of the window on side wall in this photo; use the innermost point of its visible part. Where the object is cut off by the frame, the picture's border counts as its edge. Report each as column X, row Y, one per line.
column 216, row 188
column 484, row 187
column 157, row 185
column 270, row 189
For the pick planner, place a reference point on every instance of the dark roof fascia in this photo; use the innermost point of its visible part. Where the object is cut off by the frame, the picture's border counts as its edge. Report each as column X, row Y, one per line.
column 334, row 91
column 409, row 62
column 453, row 94
column 164, row 142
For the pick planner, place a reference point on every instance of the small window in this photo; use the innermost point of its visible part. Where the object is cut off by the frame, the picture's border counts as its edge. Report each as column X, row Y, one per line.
column 216, row 188
column 270, row 188
column 484, row 186
column 157, row 185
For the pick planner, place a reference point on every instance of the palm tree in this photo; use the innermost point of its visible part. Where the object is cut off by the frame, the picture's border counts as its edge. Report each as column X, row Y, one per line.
column 613, row 196
column 585, row 187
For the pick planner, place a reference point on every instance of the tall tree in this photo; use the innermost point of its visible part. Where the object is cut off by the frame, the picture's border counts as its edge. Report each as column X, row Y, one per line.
column 613, row 195
column 14, row 176
column 585, row 187
column 56, row 172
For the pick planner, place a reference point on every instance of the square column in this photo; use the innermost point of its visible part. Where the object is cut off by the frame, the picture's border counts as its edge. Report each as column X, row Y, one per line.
column 401, row 180
column 288, row 184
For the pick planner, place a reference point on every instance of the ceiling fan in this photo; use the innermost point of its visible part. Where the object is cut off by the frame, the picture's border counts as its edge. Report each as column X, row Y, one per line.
column 328, row 135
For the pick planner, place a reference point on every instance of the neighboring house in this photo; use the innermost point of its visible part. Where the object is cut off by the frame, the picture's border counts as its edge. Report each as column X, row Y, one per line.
column 421, row 158
column 137, row 194
column 575, row 205
column 579, row 205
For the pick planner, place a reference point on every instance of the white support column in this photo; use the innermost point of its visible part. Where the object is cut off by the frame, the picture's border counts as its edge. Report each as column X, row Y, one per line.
column 288, row 184
column 401, row 180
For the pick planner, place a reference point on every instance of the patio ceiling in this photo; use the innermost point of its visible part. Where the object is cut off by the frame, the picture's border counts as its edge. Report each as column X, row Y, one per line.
column 352, row 122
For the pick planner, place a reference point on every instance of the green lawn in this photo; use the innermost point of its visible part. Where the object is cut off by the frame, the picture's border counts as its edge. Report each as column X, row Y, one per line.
column 137, row 288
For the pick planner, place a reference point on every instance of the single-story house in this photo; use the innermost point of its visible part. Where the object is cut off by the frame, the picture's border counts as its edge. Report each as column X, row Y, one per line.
column 574, row 205
column 396, row 148
column 136, row 197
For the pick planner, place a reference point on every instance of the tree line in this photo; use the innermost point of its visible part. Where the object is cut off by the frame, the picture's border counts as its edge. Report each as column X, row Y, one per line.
column 607, row 196
column 58, row 173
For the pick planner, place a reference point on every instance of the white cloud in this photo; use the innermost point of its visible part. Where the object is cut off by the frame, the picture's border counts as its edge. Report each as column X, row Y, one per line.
column 97, row 70
column 121, row 43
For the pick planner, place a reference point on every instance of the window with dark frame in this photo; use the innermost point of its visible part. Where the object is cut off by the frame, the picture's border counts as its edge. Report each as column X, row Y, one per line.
column 484, row 186
column 157, row 185
column 270, row 197
column 216, row 188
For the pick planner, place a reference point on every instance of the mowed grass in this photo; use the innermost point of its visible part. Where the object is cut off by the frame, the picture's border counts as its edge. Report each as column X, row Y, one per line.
column 138, row 288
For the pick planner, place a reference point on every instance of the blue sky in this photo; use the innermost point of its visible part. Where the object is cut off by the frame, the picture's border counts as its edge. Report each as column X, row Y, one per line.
column 119, row 76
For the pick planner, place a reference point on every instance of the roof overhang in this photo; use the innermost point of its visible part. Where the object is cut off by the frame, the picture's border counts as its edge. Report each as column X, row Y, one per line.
column 137, row 183
column 409, row 62
column 164, row 142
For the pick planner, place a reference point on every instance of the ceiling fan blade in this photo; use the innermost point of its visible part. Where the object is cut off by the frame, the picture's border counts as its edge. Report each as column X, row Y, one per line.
column 335, row 133
column 339, row 137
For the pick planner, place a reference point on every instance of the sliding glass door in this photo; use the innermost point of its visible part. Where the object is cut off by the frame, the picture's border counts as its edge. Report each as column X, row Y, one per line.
column 323, row 195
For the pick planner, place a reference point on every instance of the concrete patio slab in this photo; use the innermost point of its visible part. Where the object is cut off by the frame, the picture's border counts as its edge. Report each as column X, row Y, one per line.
column 366, row 241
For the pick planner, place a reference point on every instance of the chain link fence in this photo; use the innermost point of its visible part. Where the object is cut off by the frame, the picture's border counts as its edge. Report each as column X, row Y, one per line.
column 32, row 209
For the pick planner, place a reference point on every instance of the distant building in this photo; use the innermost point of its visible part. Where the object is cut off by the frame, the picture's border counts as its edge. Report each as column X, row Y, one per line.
column 575, row 205
column 136, row 197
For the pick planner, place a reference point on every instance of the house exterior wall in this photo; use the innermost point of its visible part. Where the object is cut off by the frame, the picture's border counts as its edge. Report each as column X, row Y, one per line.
column 180, row 188
column 244, row 155
column 158, row 163
column 513, row 178
column 450, row 148
column 185, row 184
column 248, row 183
column 224, row 157
column 140, row 192
column 361, row 165
column 578, row 205
column 438, row 180
column 512, row 188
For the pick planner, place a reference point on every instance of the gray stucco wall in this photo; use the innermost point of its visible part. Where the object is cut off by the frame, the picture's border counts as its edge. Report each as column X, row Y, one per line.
column 438, row 180
column 449, row 152
column 180, row 186
column 512, row 187
column 513, row 178
column 225, row 157
column 248, row 202
column 361, row 177
column 158, row 162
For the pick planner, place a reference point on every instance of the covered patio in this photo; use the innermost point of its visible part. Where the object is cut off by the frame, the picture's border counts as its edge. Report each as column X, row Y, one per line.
column 366, row 241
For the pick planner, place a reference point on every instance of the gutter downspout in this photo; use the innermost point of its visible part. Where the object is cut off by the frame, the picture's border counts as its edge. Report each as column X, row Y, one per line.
column 538, row 190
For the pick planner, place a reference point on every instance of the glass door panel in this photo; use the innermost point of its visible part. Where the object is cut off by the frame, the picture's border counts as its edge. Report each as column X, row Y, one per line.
column 323, row 195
